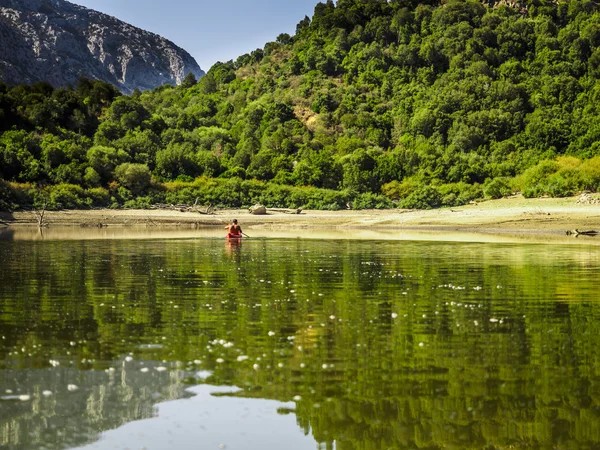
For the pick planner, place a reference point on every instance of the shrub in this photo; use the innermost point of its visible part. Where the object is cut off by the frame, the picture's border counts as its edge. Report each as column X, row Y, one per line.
column 123, row 194
column 457, row 194
column 8, row 200
column 471, row 192
column 557, row 186
column 531, row 192
column 98, row 197
column 235, row 192
column 568, row 162
column 208, row 191
column 496, row 188
column 234, row 172
column 138, row 203
column 91, row 177
column 316, row 198
column 277, row 196
column 284, row 177
column 67, row 196
column 104, row 159
column 398, row 190
column 176, row 160
column 426, row 197
column 560, row 178
column 208, row 163
column 16, row 195
column 135, row 177
column 532, row 176
column 589, row 173
column 369, row 200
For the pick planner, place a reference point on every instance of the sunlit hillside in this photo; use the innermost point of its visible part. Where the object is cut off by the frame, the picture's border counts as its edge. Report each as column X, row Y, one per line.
column 369, row 104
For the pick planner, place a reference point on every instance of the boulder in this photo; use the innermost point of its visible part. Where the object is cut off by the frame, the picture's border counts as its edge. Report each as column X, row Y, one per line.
column 257, row 210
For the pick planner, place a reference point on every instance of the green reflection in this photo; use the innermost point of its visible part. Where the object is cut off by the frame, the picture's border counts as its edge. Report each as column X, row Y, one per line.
column 382, row 344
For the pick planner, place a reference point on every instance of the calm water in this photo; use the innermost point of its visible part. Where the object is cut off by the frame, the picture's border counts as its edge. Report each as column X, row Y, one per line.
column 298, row 344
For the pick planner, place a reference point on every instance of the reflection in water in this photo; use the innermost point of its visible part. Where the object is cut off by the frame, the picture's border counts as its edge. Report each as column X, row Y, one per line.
column 233, row 247
column 7, row 234
column 68, row 407
column 375, row 344
column 216, row 420
column 61, row 232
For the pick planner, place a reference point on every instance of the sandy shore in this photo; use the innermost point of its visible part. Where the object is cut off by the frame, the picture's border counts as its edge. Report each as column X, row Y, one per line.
column 513, row 215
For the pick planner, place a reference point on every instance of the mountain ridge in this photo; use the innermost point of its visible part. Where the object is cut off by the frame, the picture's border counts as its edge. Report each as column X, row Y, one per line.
column 58, row 42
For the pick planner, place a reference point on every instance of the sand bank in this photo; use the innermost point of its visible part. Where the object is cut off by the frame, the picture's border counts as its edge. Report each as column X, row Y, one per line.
column 510, row 216
column 513, row 214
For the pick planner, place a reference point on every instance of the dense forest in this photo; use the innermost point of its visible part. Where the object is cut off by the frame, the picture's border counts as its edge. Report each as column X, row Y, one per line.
column 370, row 104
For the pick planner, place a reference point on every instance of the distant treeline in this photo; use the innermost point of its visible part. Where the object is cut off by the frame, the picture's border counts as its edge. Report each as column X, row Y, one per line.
column 369, row 104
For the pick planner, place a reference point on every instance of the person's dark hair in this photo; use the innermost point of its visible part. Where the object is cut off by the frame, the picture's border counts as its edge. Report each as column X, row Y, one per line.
column 235, row 221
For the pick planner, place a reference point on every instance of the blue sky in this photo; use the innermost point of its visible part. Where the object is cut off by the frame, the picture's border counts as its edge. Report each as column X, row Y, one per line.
column 210, row 30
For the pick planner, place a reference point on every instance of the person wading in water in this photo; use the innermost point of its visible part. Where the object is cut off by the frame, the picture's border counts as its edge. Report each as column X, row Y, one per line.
column 235, row 231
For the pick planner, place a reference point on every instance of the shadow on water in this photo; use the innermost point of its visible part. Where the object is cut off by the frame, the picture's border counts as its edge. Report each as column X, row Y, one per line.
column 7, row 234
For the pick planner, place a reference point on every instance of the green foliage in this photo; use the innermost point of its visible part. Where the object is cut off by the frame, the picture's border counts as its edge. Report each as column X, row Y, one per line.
column 400, row 98
column 561, row 177
column 458, row 194
column 67, row 196
column 176, row 160
column 398, row 190
column 189, row 81
column 135, row 177
column 91, row 177
column 424, row 197
column 496, row 188
column 369, row 200
column 104, row 160
column 589, row 174
column 235, row 192
column 358, row 171
column 99, row 197
column 9, row 198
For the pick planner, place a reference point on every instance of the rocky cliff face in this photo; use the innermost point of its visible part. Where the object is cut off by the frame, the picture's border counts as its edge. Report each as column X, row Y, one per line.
column 57, row 41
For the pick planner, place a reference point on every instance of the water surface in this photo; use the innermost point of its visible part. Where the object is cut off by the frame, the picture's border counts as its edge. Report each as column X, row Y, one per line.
column 298, row 343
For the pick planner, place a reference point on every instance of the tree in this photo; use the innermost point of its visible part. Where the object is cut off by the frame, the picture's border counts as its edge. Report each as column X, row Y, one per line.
column 104, row 160
column 189, row 81
column 176, row 160
column 135, row 177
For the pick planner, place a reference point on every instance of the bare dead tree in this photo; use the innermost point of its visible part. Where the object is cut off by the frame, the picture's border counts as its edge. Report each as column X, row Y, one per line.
column 39, row 214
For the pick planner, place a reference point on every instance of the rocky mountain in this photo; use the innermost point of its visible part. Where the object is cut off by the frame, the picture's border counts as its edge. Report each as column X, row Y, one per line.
column 57, row 41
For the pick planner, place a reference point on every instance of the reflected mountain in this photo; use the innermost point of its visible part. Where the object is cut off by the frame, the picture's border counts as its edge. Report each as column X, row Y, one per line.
column 63, row 407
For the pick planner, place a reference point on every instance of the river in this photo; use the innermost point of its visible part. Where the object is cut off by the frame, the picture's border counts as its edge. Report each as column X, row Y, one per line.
column 190, row 342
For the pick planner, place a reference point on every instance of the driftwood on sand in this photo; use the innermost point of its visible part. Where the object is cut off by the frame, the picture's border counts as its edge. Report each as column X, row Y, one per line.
column 195, row 208
column 259, row 210
column 285, row 210
column 577, row 232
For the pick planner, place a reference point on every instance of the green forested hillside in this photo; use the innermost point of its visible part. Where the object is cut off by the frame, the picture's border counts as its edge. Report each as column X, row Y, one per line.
column 370, row 104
